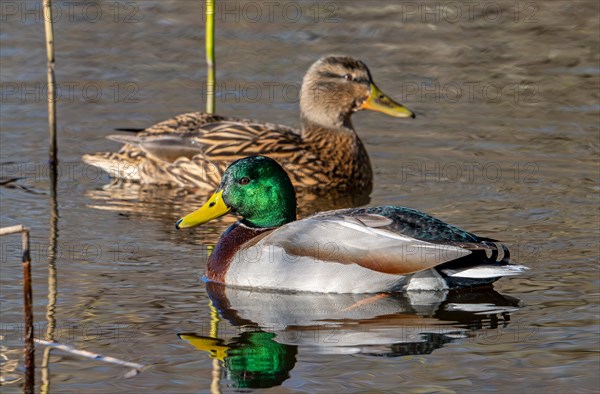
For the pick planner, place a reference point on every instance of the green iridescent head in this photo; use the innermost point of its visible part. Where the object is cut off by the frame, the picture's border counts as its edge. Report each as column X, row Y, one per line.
column 253, row 360
column 256, row 360
column 256, row 188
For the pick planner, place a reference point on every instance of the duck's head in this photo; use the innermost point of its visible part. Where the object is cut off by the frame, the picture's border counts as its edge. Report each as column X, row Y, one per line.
column 256, row 188
column 337, row 86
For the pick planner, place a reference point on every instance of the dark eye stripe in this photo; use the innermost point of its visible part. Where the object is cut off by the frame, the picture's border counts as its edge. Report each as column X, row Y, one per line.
column 327, row 74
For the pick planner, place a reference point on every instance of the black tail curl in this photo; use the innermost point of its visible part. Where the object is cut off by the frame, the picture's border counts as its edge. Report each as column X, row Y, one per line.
column 130, row 130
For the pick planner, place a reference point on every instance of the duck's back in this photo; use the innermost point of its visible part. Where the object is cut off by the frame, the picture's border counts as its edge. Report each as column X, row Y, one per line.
column 194, row 149
column 406, row 221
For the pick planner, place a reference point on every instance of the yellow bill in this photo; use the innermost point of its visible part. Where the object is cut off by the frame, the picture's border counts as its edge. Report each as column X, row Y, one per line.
column 214, row 346
column 212, row 209
column 379, row 102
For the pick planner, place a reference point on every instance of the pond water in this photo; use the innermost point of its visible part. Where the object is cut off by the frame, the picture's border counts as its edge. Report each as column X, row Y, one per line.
column 505, row 144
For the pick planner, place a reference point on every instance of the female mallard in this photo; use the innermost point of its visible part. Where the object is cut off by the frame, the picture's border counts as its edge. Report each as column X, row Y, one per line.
column 193, row 149
column 356, row 250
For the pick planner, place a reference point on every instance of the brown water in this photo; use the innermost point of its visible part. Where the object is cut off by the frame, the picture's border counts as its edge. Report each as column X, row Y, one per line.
column 505, row 144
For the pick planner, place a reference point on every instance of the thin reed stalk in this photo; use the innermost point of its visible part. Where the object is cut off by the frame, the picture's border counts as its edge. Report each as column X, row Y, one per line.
column 49, row 28
column 210, row 56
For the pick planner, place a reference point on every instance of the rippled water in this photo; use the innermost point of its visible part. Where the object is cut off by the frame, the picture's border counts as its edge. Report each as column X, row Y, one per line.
column 505, row 144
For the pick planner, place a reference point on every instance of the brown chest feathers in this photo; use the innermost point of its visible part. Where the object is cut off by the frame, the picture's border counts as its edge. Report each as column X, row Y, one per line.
column 229, row 244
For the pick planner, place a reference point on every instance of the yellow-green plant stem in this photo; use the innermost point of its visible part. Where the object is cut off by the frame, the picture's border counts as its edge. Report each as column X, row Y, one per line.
column 210, row 56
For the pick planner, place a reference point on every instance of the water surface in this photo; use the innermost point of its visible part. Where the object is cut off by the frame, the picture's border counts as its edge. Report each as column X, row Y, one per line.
column 505, row 144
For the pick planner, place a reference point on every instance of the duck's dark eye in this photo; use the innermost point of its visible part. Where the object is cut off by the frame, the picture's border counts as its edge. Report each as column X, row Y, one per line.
column 348, row 77
column 244, row 181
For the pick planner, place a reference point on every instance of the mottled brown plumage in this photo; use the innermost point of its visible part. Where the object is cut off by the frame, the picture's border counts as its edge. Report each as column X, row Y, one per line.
column 193, row 150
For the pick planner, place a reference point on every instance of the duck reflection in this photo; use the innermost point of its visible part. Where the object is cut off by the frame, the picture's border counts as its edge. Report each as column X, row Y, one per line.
column 273, row 326
column 134, row 198
column 251, row 360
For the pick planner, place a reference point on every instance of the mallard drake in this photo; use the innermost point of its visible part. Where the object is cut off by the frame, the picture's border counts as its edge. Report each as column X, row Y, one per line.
column 357, row 250
column 192, row 150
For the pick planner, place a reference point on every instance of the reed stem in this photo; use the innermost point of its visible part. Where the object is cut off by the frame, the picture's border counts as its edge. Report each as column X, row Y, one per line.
column 210, row 56
column 49, row 28
column 29, row 347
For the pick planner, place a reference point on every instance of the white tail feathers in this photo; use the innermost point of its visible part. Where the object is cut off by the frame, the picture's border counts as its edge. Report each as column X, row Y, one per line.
column 489, row 271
